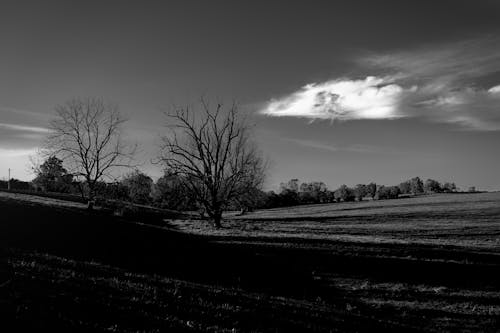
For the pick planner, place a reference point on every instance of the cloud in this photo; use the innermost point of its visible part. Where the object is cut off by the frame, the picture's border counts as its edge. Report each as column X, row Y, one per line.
column 342, row 99
column 18, row 137
column 494, row 90
column 24, row 128
column 441, row 84
column 447, row 63
column 352, row 148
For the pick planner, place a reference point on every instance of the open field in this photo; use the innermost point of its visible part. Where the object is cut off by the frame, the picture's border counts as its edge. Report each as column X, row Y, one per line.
column 417, row 264
column 466, row 220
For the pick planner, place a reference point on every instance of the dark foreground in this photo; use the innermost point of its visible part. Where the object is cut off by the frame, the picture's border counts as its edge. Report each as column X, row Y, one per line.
column 67, row 270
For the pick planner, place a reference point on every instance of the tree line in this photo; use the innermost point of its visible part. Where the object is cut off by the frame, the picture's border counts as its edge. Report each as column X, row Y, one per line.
column 295, row 193
column 169, row 191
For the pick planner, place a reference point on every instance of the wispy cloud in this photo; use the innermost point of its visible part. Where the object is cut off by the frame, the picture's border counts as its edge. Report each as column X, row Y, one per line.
column 445, row 62
column 24, row 128
column 20, row 137
column 441, row 84
column 353, row 148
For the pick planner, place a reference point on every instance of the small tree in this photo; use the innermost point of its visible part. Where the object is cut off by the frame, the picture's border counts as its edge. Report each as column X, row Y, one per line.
column 288, row 198
column 394, row 192
column 86, row 135
column 371, row 190
column 139, row 186
column 360, row 191
column 291, row 185
column 388, row 192
column 169, row 192
column 432, row 185
column 51, row 176
column 214, row 154
column 344, row 193
column 416, row 186
column 449, row 187
column 313, row 192
column 405, row 187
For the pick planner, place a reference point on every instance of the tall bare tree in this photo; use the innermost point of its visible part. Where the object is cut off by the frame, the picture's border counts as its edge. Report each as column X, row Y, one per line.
column 213, row 151
column 86, row 135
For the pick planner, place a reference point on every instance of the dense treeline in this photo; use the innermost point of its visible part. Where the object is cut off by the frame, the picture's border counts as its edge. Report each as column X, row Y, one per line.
column 168, row 191
column 293, row 193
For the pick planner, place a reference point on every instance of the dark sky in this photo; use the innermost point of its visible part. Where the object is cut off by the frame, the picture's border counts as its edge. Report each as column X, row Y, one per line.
column 341, row 91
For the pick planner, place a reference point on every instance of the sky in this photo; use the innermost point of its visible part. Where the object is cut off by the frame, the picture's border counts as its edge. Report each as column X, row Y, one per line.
column 343, row 92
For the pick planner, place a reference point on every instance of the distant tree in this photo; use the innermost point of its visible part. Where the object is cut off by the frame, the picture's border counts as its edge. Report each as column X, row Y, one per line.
column 313, row 192
column 432, row 185
column 330, row 196
column 86, row 135
column 371, row 190
column 305, row 194
column 405, row 187
column 139, row 187
column 252, row 199
column 170, row 192
column 272, row 200
column 319, row 190
column 114, row 191
column 449, row 187
column 344, row 193
column 288, row 198
column 291, row 185
column 388, row 192
column 214, row 153
column 382, row 192
column 360, row 191
column 394, row 192
column 15, row 184
column 51, row 176
column 416, row 186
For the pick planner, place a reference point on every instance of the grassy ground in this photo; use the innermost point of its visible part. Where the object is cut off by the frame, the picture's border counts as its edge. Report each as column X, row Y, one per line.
column 423, row 264
column 465, row 220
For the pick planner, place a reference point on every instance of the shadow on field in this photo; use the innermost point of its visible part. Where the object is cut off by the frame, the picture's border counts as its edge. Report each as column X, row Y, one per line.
column 95, row 236
column 296, row 270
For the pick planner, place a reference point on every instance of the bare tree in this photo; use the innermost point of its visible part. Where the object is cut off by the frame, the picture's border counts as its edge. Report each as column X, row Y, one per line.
column 86, row 135
column 214, row 154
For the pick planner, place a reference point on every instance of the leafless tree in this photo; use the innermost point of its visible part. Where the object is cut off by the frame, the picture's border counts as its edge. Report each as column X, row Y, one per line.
column 86, row 135
column 213, row 152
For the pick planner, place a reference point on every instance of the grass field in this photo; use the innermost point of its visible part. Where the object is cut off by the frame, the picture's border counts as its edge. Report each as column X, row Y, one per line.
column 419, row 264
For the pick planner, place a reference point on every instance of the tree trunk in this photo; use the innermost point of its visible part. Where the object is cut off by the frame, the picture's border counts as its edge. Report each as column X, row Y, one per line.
column 90, row 204
column 217, row 218
column 243, row 211
column 91, row 199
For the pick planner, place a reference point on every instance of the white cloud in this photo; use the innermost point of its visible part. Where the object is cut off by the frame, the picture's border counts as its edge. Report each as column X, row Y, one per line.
column 439, row 84
column 494, row 90
column 342, row 99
